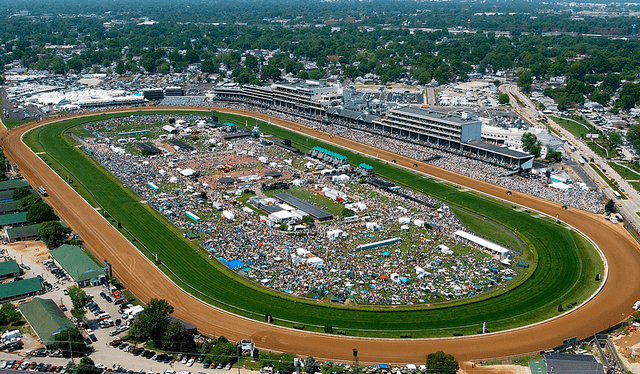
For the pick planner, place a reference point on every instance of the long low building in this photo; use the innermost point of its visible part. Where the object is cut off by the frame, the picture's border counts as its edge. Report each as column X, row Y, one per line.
column 28, row 232
column 13, row 219
column 46, row 319
column 310, row 209
column 78, row 264
column 19, row 289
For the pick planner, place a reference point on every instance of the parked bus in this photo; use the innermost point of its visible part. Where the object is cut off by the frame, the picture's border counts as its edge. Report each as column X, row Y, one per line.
column 617, row 195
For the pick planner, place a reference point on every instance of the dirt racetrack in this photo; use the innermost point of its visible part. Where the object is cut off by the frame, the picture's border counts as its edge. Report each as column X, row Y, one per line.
column 608, row 307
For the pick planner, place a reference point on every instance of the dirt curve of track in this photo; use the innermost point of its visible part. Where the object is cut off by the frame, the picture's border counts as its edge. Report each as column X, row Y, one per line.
column 607, row 308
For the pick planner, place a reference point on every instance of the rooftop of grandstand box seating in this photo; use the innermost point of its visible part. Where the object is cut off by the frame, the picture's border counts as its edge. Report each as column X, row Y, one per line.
column 366, row 166
column 330, row 153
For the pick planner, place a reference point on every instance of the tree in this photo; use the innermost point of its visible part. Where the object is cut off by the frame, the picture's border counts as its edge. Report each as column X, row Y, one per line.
column 53, row 233
column 27, row 201
column 615, row 138
column 553, row 155
column 9, row 314
column 525, row 81
column 528, row 140
column 70, row 340
column 39, row 213
column 20, row 193
column 87, row 366
column 311, row 365
column 177, row 339
column 223, row 352
column 610, row 206
column 152, row 323
column 307, row 219
column 441, row 362
column 78, row 299
column 285, row 363
column 503, row 98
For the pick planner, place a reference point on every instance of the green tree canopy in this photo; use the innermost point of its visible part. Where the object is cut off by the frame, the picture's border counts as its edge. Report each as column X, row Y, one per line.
column 20, row 193
column 26, row 202
column 53, row 233
column 223, row 352
column 39, row 213
column 70, row 340
column 441, row 362
column 503, row 98
column 152, row 323
column 78, row 299
column 9, row 314
column 177, row 339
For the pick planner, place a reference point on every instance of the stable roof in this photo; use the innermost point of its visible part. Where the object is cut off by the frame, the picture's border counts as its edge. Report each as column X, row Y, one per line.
column 12, row 184
column 13, row 219
column 22, row 232
column 8, row 268
column 77, row 263
column 483, row 242
column 46, row 319
column 9, row 206
column 18, row 288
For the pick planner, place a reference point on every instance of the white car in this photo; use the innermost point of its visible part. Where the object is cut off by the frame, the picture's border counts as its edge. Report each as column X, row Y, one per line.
column 191, row 361
column 636, row 306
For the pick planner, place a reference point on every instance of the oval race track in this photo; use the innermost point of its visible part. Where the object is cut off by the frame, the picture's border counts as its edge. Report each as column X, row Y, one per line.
column 607, row 308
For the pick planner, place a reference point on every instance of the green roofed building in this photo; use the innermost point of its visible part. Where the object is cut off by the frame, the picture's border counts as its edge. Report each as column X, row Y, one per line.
column 13, row 219
column 18, row 289
column 78, row 264
column 9, row 207
column 46, row 319
column 29, row 232
column 9, row 269
column 12, row 184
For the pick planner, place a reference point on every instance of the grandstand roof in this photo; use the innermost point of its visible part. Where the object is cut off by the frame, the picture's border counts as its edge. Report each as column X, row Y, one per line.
column 482, row 242
column 330, row 153
column 366, row 166
column 568, row 364
column 312, row 210
column 499, row 150
column 46, row 319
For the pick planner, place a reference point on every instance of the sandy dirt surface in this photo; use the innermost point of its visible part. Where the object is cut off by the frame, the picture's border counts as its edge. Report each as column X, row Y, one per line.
column 467, row 368
column 28, row 251
column 625, row 345
column 607, row 308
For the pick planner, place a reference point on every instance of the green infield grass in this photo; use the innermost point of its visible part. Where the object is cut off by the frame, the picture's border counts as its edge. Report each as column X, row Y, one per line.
column 563, row 264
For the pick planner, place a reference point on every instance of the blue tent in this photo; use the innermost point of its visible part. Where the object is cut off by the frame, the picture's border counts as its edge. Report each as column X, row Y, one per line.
column 385, row 254
column 235, row 264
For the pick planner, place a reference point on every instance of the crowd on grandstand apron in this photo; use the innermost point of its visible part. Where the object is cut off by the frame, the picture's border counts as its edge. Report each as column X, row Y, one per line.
column 477, row 167
column 418, row 269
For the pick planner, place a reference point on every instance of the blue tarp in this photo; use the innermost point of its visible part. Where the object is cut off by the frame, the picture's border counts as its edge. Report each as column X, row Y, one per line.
column 235, row 264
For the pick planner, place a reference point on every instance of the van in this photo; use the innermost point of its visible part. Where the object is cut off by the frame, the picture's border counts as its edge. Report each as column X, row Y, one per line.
column 636, row 306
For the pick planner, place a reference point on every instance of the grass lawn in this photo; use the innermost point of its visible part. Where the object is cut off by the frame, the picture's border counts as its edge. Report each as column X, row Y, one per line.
column 624, row 172
column 572, row 126
column 563, row 271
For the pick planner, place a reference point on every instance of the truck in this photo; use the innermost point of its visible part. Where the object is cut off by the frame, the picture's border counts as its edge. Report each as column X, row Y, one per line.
column 42, row 191
column 132, row 312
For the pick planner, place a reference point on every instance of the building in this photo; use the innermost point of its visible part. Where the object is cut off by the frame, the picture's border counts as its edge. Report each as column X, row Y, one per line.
column 12, row 184
column 153, row 94
column 13, row 219
column 78, row 264
column 9, row 269
column 46, row 319
column 173, row 91
column 559, row 363
column 28, row 232
column 8, row 207
column 19, row 289
column 454, row 132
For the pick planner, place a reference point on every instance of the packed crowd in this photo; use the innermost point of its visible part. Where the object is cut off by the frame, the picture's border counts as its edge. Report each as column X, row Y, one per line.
column 413, row 271
column 481, row 168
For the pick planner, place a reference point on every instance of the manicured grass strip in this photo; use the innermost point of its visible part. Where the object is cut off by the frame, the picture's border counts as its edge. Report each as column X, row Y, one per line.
column 624, row 171
column 574, row 128
column 557, row 277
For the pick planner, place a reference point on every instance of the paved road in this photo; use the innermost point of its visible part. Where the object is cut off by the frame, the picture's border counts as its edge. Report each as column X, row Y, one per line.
column 607, row 308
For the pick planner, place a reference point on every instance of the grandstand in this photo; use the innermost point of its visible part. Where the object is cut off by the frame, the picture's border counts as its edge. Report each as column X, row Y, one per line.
column 184, row 101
